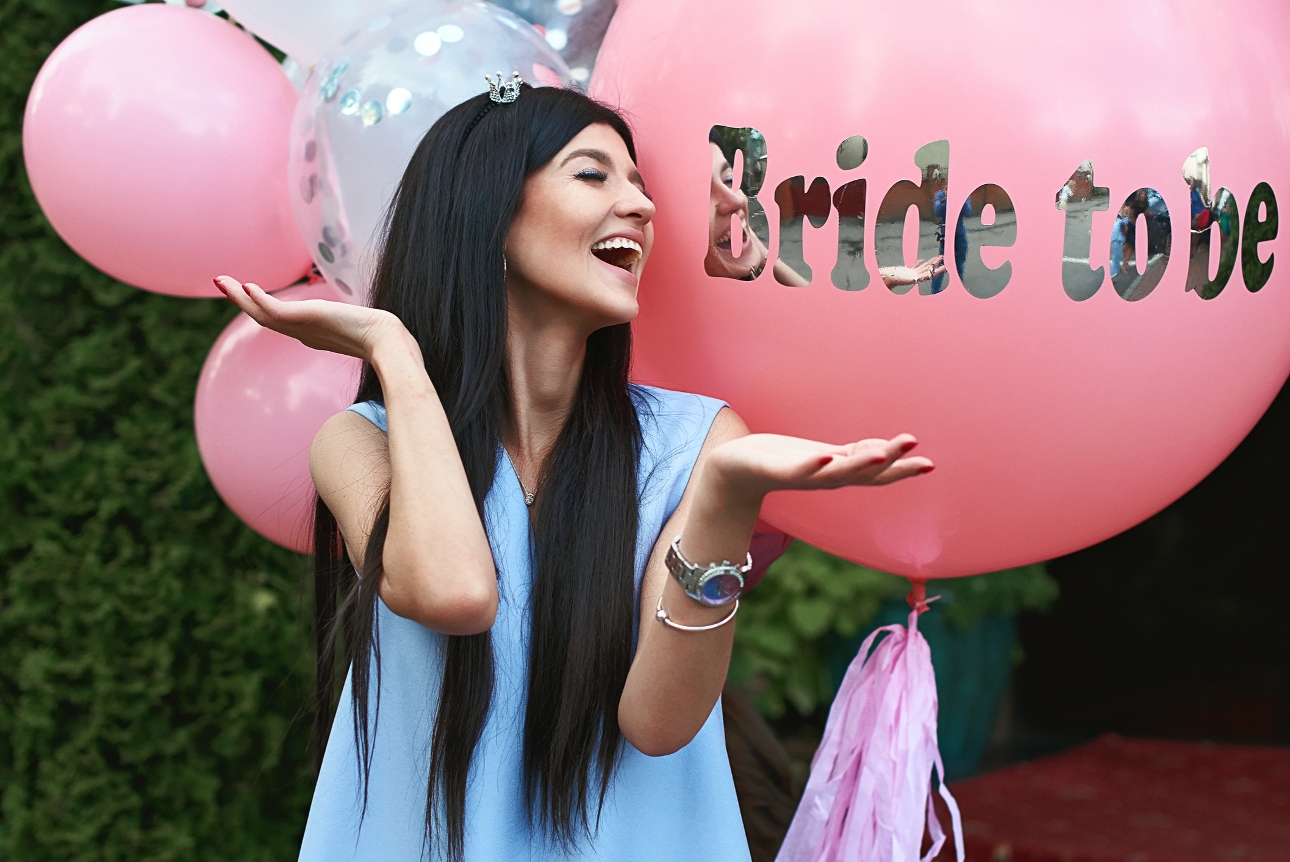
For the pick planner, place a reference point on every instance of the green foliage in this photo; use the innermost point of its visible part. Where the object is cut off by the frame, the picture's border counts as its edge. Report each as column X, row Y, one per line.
column 809, row 595
column 1029, row 588
column 153, row 652
column 805, row 595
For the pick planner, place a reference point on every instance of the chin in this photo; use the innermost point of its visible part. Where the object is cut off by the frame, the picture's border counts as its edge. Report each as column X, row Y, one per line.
column 625, row 313
column 722, row 264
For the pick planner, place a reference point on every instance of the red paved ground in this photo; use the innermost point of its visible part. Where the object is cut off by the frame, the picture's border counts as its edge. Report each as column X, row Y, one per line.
column 1132, row 800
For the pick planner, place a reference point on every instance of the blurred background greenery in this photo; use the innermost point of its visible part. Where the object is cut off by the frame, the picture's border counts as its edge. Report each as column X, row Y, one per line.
column 153, row 650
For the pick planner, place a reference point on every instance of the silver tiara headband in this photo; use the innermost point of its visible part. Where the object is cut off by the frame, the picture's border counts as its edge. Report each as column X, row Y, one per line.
column 504, row 93
column 499, row 93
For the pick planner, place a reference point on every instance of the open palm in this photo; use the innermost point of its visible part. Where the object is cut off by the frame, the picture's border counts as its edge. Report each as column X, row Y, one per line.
column 773, row 462
column 336, row 326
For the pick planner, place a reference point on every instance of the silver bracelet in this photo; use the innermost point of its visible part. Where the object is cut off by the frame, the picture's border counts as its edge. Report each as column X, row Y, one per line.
column 661, row 616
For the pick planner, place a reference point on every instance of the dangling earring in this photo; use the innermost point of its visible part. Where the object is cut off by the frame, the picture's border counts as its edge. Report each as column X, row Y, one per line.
column 503, row 269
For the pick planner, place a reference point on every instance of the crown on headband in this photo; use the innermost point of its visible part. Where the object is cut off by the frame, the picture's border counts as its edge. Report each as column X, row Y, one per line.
column 504, row 92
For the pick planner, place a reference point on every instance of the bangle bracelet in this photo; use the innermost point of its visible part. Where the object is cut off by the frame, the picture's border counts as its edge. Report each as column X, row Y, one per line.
column 661, row 616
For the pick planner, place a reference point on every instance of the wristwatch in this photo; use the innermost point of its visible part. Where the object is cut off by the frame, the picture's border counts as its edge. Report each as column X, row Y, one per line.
column 713, row 585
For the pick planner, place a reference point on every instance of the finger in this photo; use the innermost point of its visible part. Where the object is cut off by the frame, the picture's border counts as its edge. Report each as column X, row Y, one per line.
column 879, row 451
column 899, row 445
column 258, row 304
column 229, row 286
column 236, row 293
column 271, row 305
column 855, row 468
column 277, row 313
column 904, row 469
column 886, row 454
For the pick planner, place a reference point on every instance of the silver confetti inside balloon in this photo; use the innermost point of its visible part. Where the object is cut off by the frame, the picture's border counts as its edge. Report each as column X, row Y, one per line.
column 575, row 28
column 372, row 98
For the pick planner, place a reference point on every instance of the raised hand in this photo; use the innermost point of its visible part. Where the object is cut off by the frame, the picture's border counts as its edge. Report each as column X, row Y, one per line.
column 923, row 270
column 336, row 326
column 760, row 463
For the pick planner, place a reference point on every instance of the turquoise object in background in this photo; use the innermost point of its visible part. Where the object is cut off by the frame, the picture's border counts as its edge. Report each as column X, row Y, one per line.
column 973, row 666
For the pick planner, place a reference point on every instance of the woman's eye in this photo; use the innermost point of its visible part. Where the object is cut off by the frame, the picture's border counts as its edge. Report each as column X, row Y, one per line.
column 592, row 174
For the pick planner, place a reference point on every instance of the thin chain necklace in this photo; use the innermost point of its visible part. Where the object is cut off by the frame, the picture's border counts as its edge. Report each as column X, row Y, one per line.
column 528, row 498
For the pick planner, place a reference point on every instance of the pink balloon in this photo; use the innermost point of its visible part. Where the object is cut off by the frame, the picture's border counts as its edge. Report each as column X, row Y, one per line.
column 156, row 141
column 261, row 398
column 1054, row 422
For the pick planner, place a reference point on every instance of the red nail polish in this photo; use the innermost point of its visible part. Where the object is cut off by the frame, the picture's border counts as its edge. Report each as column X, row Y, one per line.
column 929, row 468
column 905, row 447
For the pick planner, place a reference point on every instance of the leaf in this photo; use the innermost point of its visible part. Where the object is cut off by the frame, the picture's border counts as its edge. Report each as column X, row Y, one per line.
column 810, row 617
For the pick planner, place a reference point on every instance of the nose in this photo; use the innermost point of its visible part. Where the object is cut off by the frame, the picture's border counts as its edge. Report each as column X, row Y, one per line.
column 728, row 200
column 635, row 205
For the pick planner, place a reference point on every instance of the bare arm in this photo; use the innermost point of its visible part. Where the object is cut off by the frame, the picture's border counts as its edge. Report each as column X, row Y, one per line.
column 438, row 567
column 923, row 270
column 677, row 676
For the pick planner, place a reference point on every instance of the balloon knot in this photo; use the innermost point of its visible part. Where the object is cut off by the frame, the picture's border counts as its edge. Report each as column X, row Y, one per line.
column 917, row 597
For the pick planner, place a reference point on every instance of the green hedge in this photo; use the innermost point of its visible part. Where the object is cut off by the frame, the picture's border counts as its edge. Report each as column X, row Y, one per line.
column 154, row 654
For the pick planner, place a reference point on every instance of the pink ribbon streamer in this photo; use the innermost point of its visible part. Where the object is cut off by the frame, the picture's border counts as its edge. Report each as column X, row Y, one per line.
column 869, row 796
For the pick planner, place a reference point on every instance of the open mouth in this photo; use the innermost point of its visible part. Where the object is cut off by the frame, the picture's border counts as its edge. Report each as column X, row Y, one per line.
column 723, row 241
column 618, row 251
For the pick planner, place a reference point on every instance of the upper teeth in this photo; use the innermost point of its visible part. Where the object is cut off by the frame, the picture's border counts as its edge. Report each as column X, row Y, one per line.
column 617, row 242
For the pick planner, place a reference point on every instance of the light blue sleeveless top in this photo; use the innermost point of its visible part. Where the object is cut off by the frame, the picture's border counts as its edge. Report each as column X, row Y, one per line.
column 679, row 807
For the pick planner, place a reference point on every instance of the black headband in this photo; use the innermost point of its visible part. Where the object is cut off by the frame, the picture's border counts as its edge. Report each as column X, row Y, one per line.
column 488, row 106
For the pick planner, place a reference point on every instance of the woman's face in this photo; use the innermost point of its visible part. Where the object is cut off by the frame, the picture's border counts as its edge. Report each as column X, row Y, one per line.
column 581, row 235
column 727, row 201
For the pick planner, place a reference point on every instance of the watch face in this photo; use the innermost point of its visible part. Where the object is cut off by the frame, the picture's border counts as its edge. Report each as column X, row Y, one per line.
column 720, row 587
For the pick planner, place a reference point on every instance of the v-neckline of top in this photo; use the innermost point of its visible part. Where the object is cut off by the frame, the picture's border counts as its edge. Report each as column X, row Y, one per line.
column 515, row 474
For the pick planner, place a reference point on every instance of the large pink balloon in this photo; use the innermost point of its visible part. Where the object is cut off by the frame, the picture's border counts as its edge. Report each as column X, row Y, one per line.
column 1055, row 418
column 261, row 398
column 156, row 143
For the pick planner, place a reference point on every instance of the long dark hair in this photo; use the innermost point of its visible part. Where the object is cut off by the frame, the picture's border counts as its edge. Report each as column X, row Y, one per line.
column 441, row 271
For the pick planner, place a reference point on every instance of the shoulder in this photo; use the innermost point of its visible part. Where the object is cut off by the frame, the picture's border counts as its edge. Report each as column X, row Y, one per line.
column 672, row 420
column 350, row 447
column 372, row 411
column 669, row 408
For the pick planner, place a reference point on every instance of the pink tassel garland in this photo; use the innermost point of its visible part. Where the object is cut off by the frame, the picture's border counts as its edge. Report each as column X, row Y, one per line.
column 869, row 797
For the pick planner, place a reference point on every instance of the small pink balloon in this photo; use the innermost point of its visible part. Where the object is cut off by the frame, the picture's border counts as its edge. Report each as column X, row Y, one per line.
column 1062, row 398
column 260, row 400
column 156, row 141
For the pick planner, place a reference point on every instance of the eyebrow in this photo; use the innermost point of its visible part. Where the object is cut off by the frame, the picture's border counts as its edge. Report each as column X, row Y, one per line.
column 605, row 159
column 599, row 155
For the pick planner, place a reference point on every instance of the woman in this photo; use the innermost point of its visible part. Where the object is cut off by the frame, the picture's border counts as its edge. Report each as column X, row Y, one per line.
column 510, row 500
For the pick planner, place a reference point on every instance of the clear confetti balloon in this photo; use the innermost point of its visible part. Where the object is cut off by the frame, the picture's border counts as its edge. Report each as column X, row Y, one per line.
column 575, row 28
column 369, row 102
